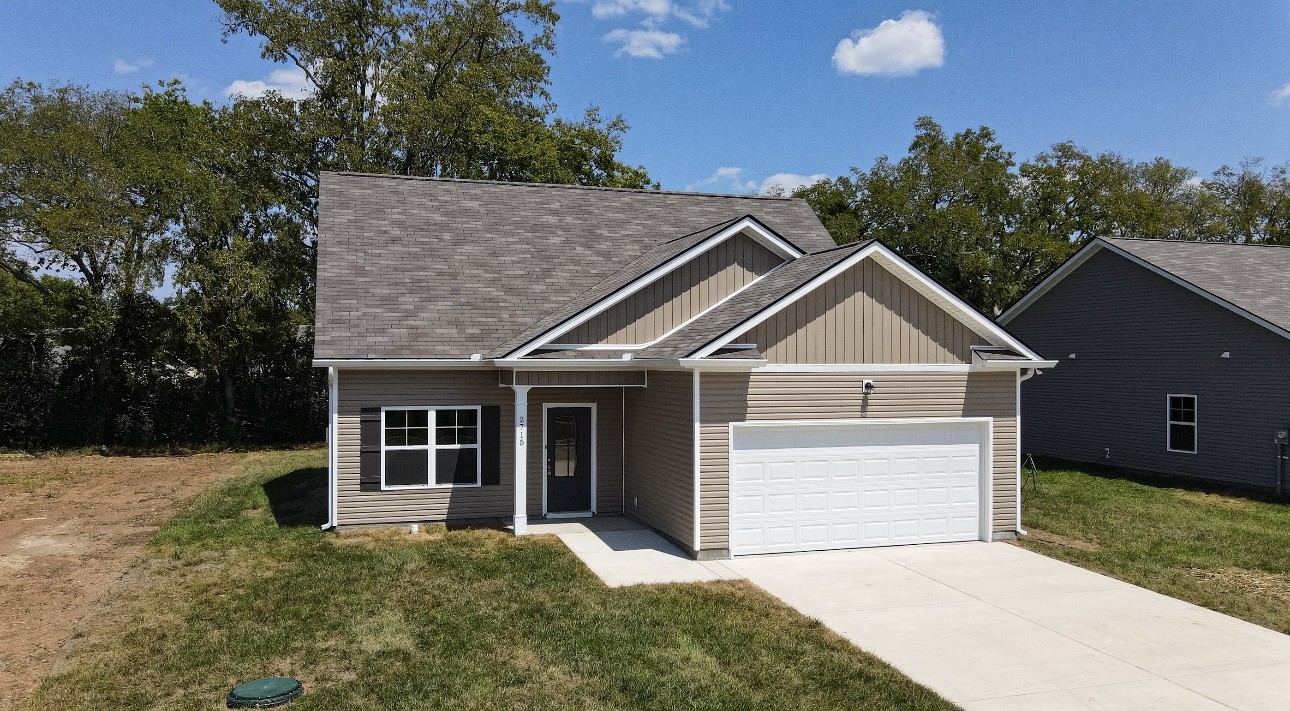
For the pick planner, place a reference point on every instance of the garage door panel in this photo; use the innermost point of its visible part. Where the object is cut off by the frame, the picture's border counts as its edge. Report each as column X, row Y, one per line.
column 920, row 490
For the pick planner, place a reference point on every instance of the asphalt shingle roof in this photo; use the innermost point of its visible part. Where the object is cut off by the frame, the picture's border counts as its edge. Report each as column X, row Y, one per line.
column 1255, row 278
column 438, row 268
column 771, row 288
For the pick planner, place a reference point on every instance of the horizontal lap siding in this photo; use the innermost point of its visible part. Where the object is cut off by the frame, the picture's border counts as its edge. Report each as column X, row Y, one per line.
column 730, row 398
column 690, row 289
column 866, row 314
column 580, row 378
column 369, row 388
column 660, row 455
column 1138, row 337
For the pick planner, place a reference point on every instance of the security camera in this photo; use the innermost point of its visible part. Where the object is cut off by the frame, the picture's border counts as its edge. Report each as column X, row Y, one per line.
column 868, row 387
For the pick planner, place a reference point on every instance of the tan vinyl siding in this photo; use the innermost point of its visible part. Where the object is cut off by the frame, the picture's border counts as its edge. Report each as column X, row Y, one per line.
column 371, row 388
column 575, row 378
column 689, row 290
column 864, row 315
column 738, row 397
column 659, row 482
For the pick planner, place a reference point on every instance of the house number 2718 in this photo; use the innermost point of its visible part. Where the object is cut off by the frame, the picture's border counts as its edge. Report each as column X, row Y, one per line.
column 523, row 429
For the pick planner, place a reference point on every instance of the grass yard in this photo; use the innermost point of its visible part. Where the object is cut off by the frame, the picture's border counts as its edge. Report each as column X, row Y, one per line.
column 471, row 619
column 1218, row 550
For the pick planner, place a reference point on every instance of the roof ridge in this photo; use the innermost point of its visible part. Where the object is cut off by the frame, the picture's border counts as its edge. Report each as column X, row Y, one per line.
column 1193, row 241
column 643, row 191
column 701, row 230
column 848, row 245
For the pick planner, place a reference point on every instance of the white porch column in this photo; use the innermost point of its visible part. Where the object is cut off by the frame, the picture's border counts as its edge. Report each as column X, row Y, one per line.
column 521, row 458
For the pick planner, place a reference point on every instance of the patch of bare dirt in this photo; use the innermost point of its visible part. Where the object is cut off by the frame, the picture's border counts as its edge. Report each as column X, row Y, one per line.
column 1064, row 541
column 1218, row 500
column 1252, row 582
column 69, row 527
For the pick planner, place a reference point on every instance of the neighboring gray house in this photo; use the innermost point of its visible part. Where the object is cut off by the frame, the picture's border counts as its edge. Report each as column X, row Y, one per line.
column 713, row 366
column 1175, row 358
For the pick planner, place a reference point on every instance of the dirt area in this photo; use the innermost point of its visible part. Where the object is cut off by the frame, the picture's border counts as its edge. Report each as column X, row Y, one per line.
column 1059, row 540
column 1252, row 582
column 69, row 527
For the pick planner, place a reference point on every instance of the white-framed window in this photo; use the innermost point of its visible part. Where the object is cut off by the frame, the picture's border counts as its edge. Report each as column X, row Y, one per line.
column 430, row 447
column 1182, row 424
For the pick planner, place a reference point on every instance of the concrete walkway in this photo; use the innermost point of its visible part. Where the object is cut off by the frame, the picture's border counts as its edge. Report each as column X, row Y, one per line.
column 622, row 552
column 994, row 627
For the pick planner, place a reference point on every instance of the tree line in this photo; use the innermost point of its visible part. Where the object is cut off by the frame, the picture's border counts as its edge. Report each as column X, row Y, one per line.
column 963, row 210
column 157, row 266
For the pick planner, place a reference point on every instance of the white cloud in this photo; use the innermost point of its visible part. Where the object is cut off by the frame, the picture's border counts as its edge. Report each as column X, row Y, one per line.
column 290, row 83
column 650, row 39
column 894, row 48
column 120, row 66
column 789, row 182
column 732, row 179
column 1280, row 96
column 655, row 12
column 652, row 44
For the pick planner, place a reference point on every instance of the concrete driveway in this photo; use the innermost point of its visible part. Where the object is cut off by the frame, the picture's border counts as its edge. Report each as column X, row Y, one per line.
column 991, row 626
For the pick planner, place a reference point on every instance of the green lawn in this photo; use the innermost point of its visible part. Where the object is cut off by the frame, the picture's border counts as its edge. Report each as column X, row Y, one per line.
column 471, row 619
column 1223, row 551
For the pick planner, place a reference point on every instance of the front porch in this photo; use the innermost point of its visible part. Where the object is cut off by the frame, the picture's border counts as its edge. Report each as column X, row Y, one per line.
column 624, row 552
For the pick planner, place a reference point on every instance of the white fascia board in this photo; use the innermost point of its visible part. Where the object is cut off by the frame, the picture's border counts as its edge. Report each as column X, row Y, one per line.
column 1013, row 364
column 572, row 363
column 746, row 225
column 721, row 363
column 397, row 363
column 1052, row 280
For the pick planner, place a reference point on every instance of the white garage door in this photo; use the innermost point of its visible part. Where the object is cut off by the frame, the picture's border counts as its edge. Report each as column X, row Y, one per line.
column 817, row 486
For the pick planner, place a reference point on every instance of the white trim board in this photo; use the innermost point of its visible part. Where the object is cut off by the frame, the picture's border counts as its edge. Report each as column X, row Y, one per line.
column 745, row 225
column 1098, row 245
column 889, row 260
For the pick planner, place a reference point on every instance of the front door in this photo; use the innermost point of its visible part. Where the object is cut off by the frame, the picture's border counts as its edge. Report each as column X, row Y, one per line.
column 568, row 459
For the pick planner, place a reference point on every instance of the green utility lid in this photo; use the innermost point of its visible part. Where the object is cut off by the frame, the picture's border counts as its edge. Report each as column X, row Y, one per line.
column 264, row 693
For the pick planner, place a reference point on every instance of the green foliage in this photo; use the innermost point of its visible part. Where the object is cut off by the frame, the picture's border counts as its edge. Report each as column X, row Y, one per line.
column 158, row 253
column 961, row 208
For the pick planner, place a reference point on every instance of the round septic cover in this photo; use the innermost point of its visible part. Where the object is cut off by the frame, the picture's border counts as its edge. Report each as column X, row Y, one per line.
column 264, row 693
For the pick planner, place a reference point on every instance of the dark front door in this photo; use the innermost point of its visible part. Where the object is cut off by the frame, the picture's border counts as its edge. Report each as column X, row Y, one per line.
column 568, row 459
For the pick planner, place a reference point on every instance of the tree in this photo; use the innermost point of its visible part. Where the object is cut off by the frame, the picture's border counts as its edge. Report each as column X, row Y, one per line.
column 952, row 207
column 453, row 88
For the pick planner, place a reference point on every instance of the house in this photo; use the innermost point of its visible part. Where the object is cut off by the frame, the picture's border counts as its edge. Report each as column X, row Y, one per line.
column 712, row 366
column 1175, row 358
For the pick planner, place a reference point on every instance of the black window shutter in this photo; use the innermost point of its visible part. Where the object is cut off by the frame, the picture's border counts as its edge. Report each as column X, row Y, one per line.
column 369, row 449
column 490, row 445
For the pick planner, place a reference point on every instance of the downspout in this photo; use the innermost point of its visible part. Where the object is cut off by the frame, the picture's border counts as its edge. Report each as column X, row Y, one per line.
column 332, row 437
column 1023, row 375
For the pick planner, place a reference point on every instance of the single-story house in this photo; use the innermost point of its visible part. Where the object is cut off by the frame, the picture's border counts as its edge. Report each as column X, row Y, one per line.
column 713, row 366
column 1175, row 358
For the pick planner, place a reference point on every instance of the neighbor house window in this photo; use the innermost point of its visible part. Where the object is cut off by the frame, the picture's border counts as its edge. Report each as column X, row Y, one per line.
column 430, row 447
column 1182, row 423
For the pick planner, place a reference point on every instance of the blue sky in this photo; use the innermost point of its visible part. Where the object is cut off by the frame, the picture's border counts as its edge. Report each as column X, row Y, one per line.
column 723, row 95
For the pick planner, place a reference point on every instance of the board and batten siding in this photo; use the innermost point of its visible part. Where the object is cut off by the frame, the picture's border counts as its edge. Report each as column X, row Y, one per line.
column 1138, row 337
column 659, row 476
column 866, row 314
column 680, row 295
column 739, row 397
column 358, row 389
